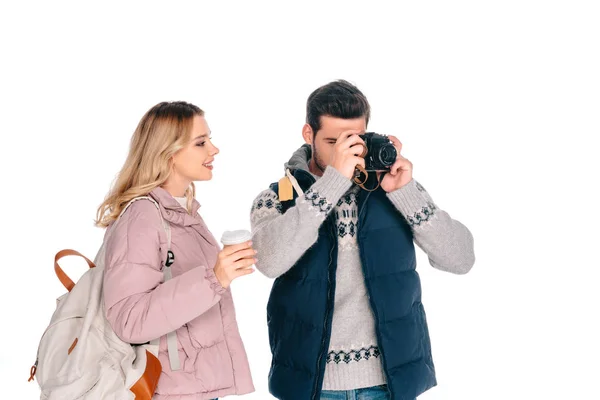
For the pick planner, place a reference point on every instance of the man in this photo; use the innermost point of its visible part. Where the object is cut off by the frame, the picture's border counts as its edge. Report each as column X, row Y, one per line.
column 345, row 316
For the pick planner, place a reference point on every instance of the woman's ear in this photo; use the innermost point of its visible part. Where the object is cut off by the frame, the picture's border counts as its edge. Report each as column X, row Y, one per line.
column 307, row 134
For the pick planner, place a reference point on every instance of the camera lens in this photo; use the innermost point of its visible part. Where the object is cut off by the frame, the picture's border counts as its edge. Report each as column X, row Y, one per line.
column 387, row 155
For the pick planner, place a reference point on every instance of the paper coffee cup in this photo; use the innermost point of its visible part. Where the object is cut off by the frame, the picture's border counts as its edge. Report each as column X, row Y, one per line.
column 235, row 237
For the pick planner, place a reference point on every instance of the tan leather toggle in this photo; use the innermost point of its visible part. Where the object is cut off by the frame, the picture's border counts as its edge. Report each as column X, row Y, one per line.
column 72, row 346
column 286, row 191
column 32, row 373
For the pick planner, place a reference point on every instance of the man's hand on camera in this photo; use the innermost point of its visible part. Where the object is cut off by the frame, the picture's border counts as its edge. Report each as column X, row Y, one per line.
column 400, row 173
column 346, row 152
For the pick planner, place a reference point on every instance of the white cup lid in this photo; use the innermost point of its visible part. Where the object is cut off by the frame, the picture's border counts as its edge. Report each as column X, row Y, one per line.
column 235, row 237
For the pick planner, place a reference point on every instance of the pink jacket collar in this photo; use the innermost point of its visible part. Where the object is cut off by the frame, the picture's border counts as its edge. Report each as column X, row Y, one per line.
column 172, row 211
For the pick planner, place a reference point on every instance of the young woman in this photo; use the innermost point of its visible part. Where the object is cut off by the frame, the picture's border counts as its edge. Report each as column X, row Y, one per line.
column 170, row 149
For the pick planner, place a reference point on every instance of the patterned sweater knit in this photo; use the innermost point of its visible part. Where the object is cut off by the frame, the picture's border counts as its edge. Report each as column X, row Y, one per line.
column 353, row 359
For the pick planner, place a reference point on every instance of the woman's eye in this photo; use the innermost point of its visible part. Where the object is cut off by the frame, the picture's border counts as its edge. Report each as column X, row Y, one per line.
column 201, row 144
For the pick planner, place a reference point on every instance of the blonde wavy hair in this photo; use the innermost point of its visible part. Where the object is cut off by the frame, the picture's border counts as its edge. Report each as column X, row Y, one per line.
column 163, row 131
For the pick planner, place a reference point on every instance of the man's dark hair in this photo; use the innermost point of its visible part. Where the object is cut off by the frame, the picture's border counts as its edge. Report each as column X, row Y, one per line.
column 339, row 99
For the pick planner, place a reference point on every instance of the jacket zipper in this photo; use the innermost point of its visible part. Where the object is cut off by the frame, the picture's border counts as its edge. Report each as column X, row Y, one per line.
column 375, row 314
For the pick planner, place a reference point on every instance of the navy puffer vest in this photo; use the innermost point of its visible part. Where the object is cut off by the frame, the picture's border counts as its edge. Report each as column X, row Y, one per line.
column 300, row 307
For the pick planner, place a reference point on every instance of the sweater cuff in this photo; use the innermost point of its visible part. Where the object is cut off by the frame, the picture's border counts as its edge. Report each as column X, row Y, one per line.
column 214, row 282
column 331, row 186
column 413, row 202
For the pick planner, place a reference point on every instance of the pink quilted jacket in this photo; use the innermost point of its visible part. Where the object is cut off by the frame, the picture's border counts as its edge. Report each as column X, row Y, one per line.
column 141, row 308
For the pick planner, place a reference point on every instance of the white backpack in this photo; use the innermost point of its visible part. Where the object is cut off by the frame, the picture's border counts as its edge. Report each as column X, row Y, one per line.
column 81, row 357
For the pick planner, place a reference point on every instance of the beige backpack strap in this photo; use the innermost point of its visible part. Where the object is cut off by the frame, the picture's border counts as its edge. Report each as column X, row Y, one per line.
column 167, row 275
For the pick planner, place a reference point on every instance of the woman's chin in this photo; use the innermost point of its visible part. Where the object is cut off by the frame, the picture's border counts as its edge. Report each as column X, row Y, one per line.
column 205, row 177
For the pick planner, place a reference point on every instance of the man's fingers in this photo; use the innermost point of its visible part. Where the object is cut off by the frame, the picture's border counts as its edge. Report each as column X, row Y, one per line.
column 397, row 143
column 344, row 136
column 400, row 164
column 357, row 149
column 350, row 141
column 359, row 161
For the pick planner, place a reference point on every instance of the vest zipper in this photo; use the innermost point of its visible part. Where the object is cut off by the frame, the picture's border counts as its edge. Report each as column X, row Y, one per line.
column 369, row 291
column 326, row 324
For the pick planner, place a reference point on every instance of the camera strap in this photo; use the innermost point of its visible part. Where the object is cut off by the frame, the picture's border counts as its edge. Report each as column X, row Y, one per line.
column 360, row 170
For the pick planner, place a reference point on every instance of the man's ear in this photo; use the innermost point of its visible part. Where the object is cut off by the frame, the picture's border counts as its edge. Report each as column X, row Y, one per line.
column 307, row 134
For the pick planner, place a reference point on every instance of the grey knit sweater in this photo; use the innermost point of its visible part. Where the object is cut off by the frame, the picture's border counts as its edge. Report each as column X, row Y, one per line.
column 281, row 239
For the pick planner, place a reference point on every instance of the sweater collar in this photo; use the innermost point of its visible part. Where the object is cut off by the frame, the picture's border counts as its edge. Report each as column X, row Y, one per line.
column 300, row 160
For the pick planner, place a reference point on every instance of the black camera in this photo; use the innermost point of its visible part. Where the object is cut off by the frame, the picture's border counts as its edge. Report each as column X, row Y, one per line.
column 380, row 153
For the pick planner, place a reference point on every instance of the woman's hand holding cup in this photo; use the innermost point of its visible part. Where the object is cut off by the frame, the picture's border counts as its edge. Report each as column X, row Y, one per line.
column 236, row 258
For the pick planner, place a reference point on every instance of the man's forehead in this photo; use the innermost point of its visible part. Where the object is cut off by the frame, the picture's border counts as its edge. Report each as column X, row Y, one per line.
column 335, row 126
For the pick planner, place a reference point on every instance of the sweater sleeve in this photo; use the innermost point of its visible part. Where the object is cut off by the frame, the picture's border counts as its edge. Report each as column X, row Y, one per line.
column 281, row 239
column 446, row 241
column 139, row 306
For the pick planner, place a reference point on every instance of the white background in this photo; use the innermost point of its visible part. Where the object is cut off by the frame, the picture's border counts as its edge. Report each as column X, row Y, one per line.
column 496, row 103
